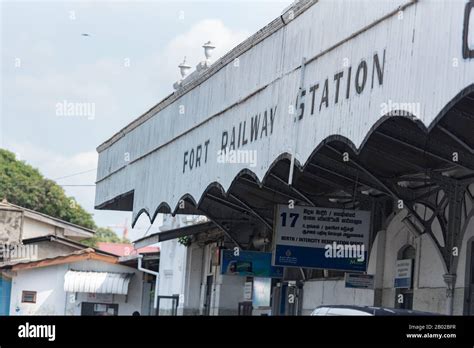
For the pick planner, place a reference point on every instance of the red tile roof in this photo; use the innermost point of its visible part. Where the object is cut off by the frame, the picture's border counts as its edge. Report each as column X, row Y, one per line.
column 125, row 249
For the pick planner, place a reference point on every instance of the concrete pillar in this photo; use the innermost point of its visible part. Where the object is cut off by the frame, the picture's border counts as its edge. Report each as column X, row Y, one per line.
column 450, row 280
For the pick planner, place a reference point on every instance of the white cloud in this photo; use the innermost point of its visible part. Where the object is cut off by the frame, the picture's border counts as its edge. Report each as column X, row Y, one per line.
column 88, row 83
column 52, row 164
column 189, row 44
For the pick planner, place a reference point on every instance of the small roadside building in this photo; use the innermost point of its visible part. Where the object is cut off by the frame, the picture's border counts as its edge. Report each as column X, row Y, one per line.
column 26, row 234
column 46, row 270
column 84, row 282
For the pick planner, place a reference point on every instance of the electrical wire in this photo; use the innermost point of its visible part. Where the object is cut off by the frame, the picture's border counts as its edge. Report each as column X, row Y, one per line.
column 79, row 173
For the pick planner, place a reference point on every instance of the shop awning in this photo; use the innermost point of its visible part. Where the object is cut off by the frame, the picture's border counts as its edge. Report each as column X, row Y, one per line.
column 97, row 282
column 173, row 234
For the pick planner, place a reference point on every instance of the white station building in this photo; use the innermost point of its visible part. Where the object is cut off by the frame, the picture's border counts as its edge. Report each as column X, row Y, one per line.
column 359, row 106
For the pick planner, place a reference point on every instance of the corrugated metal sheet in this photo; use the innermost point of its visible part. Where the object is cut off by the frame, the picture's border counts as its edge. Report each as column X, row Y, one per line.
column 421, row 52
column 97, row 282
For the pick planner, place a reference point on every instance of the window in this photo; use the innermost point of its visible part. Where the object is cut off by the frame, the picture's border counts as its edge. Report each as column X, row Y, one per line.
column 28, row 297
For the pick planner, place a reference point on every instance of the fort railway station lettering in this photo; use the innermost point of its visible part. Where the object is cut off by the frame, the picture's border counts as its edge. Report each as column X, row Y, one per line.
column 341, row 85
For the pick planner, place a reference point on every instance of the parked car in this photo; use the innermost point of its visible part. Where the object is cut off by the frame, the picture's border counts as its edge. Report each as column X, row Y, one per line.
column 327, row 310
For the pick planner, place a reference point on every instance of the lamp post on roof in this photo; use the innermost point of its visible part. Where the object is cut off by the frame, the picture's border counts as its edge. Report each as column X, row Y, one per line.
column 208, row 49
column 184, row 68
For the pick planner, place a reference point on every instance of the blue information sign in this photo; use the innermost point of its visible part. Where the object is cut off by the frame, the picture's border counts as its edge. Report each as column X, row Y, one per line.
column 249, row 263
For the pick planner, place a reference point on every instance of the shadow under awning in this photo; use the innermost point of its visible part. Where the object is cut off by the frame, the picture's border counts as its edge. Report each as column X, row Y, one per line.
column 173, row 234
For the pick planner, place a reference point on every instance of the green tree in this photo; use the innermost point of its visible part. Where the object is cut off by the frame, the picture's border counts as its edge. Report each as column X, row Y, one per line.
column 23, row 185
column 104, row 234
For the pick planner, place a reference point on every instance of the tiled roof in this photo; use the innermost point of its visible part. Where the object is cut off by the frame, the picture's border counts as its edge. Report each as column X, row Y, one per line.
column 125, row 249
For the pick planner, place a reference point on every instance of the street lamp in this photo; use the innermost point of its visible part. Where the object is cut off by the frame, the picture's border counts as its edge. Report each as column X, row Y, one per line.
column 208, row 49
column 184, row 68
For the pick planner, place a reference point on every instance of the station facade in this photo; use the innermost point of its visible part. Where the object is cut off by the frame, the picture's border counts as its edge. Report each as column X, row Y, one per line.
column 331, row 107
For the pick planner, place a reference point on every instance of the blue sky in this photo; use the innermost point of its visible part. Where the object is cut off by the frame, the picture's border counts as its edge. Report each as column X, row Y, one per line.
column 126, row 65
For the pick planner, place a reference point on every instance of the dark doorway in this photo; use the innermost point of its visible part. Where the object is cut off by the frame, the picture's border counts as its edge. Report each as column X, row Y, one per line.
column 287, row 298
column 471, row 281
column 173, row 310
column 100, row 309
column 207, row 302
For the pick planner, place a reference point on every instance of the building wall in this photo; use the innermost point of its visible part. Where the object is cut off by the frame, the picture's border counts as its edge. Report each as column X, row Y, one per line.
column 229, row 291
column 429, row 287
column 226, row 291
column 326, row 292
column 147, row 299
column 47, row 249
column 48, row 282
column 33, row 228
column 462, row 280
column 172, row 274
column 10, row 226
column 180, row 269
column 207, row 271
column 194, row 279
column 15, row 227
column 184, row 271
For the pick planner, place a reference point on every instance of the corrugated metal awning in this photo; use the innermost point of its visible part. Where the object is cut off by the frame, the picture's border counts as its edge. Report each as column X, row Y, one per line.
column 97, row 282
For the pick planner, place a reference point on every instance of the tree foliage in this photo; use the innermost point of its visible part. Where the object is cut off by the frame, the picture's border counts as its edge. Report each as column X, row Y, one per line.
column 104, row 234
column 23, row 185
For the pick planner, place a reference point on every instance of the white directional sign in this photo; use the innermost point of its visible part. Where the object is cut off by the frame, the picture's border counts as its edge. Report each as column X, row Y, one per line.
column 321, row 238
column 403, row 274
